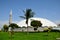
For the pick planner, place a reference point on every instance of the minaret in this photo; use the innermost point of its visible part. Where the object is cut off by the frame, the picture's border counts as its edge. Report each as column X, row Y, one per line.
column 10, row 17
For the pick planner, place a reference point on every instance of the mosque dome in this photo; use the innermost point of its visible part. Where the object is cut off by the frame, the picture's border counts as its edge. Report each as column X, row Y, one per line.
column 45, row 22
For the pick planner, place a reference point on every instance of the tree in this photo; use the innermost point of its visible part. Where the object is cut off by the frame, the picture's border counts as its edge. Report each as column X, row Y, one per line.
column 28, row 14
column 13, row 25
column 36, row 24
column 49, row 29
column 5, row 27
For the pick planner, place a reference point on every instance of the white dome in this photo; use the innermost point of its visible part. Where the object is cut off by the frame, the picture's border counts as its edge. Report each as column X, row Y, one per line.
column 44, row 22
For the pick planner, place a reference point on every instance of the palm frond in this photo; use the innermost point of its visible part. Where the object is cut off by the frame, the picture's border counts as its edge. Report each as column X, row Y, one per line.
column 22, row 17
column 23, row 11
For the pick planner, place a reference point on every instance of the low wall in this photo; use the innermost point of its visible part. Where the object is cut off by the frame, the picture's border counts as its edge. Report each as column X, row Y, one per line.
column 31, row 29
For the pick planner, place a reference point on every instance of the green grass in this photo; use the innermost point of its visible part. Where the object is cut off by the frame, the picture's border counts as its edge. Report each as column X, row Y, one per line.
column 30, row 36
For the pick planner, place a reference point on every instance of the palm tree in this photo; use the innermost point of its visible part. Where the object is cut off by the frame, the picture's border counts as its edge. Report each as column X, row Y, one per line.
column 28, row 14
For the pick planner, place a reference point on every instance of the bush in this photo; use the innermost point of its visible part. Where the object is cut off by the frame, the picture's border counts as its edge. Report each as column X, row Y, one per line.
column 55, row 30
column 45, row 30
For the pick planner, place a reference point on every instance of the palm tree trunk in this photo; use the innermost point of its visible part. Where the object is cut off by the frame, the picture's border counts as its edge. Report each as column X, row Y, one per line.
column 27, row 26
column 27, row 29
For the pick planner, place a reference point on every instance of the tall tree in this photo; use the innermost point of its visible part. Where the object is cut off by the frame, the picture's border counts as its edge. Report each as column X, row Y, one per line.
column 28, row 14
column 12, row 26
column 36, row 24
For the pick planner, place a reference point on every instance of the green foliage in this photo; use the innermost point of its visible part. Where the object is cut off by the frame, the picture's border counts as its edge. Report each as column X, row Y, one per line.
column 48, row 29
column 5, row 27
column 13, row 25
column 28, row 14
column 36, row 23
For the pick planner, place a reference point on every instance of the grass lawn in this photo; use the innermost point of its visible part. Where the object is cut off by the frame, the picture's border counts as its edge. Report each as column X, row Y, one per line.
column 30, row 36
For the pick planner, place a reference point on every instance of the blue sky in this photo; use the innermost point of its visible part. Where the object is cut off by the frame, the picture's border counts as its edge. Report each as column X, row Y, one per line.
column 49, row 9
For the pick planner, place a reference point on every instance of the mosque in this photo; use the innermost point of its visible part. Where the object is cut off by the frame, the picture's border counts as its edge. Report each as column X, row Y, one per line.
column 45, row 23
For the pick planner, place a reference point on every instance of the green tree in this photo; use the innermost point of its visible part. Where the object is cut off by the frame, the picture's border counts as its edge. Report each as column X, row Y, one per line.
column 5, row 27
column 36, row 24
column 13, row 25
column 28, row 14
